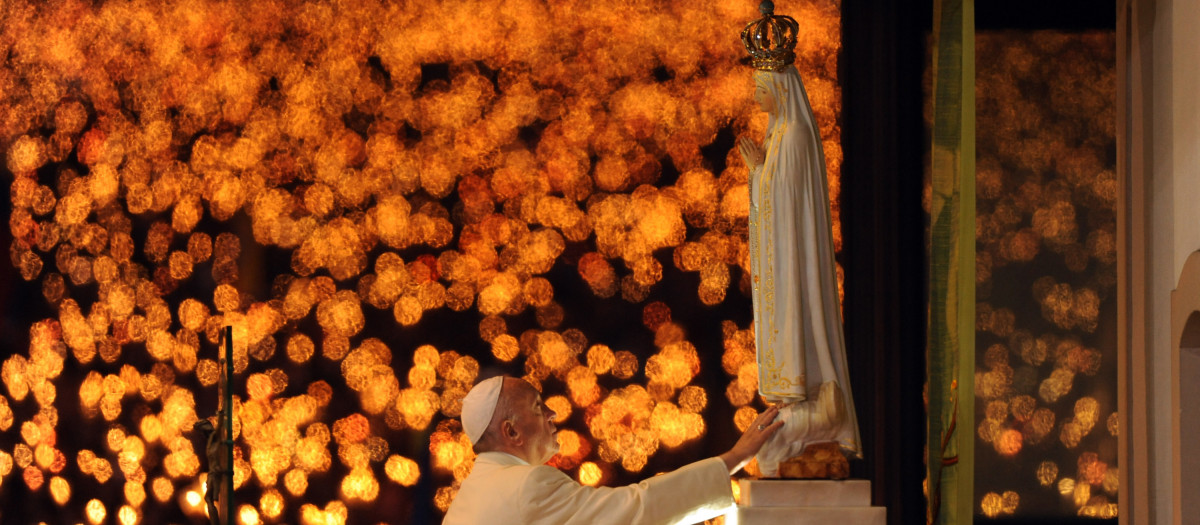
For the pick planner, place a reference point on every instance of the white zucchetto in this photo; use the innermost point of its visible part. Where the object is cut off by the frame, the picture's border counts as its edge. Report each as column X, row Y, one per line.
column 478, row 406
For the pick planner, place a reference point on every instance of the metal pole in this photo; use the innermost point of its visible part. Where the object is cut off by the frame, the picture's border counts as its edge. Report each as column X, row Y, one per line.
column 229, row 425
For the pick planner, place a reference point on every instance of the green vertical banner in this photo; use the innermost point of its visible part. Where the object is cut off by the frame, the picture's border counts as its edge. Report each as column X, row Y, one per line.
column 951, row 352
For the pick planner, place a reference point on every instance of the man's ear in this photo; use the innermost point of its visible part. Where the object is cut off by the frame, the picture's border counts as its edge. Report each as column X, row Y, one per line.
column 509, row 431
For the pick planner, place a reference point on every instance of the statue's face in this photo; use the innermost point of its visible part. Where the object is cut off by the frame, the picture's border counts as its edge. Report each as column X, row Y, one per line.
column 765, row 101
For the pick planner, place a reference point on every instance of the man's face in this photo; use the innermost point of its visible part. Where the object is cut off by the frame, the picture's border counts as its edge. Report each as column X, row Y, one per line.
column 535, row 423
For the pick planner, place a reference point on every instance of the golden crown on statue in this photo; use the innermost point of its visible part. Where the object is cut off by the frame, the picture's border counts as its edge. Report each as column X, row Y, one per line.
column 771, row 39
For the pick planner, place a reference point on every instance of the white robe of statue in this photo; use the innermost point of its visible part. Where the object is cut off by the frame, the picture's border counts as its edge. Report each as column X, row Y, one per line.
column 797, row 318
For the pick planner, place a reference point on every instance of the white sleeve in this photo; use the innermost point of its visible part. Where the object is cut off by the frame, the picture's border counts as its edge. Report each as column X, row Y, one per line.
column 691, row 494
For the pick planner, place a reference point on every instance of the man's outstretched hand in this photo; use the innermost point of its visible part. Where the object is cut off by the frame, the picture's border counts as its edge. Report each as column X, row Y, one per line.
column 759, row 431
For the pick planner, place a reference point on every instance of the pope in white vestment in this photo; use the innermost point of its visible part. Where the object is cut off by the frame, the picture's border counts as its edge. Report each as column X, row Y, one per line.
column 514, row 433
column 505, row 489
column 797, row 318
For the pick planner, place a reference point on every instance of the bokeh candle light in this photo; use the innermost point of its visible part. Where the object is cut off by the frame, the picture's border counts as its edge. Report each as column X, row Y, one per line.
column 323, row 176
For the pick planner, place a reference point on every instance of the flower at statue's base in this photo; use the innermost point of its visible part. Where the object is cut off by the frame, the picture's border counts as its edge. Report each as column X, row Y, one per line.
column 819, row 461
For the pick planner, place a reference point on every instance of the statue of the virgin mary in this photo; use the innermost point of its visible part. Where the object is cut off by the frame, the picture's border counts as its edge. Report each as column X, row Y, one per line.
column 797, row 319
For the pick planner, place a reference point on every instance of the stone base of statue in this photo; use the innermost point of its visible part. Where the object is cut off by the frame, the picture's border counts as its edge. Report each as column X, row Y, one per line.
column 819, row 461
column 807, row 502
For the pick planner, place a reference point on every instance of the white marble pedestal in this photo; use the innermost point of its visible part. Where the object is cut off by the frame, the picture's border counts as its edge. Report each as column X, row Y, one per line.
column 807, row 502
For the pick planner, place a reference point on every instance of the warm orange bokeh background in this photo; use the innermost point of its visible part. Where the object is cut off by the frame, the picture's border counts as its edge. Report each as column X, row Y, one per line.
column 345, row 183
column 1046, row 276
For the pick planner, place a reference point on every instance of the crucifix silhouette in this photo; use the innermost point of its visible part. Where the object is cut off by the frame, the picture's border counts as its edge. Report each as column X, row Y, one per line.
column 218, row 449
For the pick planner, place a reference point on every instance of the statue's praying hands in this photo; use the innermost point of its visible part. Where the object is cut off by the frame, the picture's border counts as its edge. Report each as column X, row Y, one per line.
column 752, row 153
